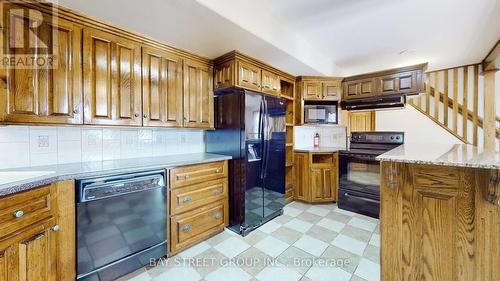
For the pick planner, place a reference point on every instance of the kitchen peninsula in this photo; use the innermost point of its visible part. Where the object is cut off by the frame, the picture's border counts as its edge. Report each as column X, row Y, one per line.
column 440, row 213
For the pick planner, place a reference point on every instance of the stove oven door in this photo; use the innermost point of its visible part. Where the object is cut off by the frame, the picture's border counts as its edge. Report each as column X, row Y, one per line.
column 359, row 184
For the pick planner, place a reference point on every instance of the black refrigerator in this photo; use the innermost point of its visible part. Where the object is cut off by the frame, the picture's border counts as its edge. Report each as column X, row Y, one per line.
column 250, row 127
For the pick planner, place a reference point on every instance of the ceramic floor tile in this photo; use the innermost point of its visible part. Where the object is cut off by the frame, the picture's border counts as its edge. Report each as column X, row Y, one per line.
column 210, row 260
column 232, row 247
column 278, row 273
column 138, row 275
column 309, row 217
column 347, row 261
column 357, row 233
column 272, row 246
column 214, row 240
column 331, row 224
column 296, row 259
column 375, row 240
column 282, row 219
column 363, row 224
column 255, row 237
column 311, row 245
column 336, row 216
column 372, row 253
column 322, row 233
column 228, row 273
column 300, row 205
column 195, row 250
column 344, row 212
column 286, row 234
column 299, row 225
column 254, row 260
column 327, row 273
column 269, row 226
column 357, row 278
column 290, row 211
column 318, row 211
column 179, row 274
column 368, row 270
column 349, row 244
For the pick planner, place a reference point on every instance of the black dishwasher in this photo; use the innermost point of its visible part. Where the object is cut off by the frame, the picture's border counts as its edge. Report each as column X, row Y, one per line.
column 121, row 224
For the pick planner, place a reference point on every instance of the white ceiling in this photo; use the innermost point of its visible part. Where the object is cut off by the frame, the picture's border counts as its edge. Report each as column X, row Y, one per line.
column 311, row 37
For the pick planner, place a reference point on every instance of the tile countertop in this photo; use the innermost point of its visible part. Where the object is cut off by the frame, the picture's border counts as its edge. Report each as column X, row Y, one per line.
column 319, row 149
column 48, row 174
column 460, row 155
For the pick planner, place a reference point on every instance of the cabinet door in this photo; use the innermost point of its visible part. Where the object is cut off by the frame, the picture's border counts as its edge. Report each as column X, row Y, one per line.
column 361, row 121
column 161, row 88
column 301, row 176
column 359, row 89
column 322, row 184
column 331, row 90
column 50, row 93
column 270, row 83
column 249, row 76
column 312, row 90
column 398, row 83
column 112, row 79
column 31, row 254
column 224, row 76
column 198, row 95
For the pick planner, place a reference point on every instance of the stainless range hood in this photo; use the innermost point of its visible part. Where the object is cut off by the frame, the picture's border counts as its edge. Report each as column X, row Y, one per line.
column 374, row 103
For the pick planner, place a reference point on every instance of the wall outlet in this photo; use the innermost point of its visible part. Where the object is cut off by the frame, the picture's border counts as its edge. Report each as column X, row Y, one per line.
column 43, row 141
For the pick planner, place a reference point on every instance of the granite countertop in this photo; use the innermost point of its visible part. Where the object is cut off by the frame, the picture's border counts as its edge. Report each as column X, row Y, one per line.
column 319, row 149
column 48, row 174
column 460, row 155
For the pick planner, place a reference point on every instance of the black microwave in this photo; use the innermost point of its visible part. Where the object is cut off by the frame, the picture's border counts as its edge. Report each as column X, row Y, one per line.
column 317, row 112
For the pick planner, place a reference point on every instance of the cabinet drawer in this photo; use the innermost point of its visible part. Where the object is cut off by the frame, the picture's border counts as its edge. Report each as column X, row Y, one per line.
column 189, row 197
column 20, row 210
column 188, row 175
column 196, row 225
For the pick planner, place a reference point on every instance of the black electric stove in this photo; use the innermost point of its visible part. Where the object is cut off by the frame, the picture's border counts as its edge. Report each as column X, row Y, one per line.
column 359, row 173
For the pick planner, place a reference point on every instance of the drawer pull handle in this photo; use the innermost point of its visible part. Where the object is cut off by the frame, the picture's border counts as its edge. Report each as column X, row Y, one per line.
column 218, row 170
column 218, row 215
column 217, row 191
column 186, row 199
column 56, row 228
column 186, row 228
column 19, row 214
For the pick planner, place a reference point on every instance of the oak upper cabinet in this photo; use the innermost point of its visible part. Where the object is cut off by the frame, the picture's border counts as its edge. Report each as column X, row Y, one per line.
column 198, row 95
column 312, row 90
column 397, row 81
column 50, row 94
column 112, row 79
column 271, row 83
column 319, row 88
column 161, row 88
column 224, row 75
column 248, row 76
column 359, row 89
column 362, row 121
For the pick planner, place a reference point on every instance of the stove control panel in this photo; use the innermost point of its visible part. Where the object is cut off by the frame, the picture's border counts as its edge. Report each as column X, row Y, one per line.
column 378, row 137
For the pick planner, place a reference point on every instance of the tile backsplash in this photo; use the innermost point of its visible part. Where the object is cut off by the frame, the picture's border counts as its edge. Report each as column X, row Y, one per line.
column 331, row 136
column 23, row 146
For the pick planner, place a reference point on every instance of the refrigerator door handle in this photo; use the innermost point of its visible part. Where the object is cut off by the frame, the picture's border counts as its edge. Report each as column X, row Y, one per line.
column 261, row 135
column 266, row 138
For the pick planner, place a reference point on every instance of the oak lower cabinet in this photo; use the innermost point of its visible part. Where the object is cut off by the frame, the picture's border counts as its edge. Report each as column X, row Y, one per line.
column 37, row 236
column 316, row 176
column 162, row 90
column 51, row 92
column 198, row 203
column 112, row 79
column 439, row 223
column 198, row 95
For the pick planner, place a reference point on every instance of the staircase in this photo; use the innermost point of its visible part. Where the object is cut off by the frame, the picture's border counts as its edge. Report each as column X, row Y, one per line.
column 454, row 99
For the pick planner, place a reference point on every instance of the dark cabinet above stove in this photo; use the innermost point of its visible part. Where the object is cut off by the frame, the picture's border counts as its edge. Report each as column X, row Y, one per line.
column 399, row 81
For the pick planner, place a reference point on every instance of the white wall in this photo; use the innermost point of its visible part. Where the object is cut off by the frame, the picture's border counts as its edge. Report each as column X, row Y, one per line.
column 418, row 128
column 23, row 146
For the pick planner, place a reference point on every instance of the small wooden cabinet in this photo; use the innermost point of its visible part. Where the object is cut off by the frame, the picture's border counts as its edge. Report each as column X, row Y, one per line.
column 359, row 89
column 198, row 205
column 248, row 76
column 112, row 79
column 363, row 121
column 37, row 236
column 198, row 95
column 270, row 83
column 319, row 88
column 50, row 94
column 316, row 177
column 162, row 90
